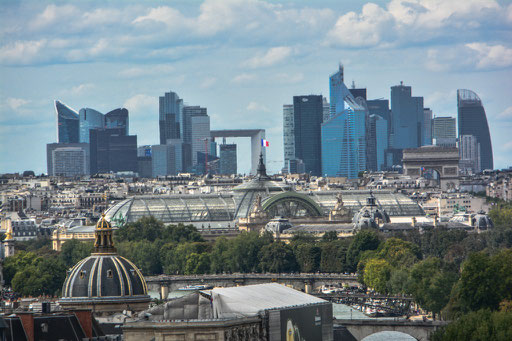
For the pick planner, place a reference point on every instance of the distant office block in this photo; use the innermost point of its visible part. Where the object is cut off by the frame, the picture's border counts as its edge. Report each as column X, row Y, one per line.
column 200, row 136
column 473, row 121
column 170, row 114
column 67, row 159
column 407, row 118
column 296, row 166
column 469, row 152
column 377, row 142
column 177, row 144
column 89, row 119
column 144, row 151
column 67, row 124
column 144, row 166
column 336, row 98
column 228, row 160
column 118, row 119
column 444, row 128
column 111, row 151
column 163, row 160
column 307, row 117
column 358, row 92
column 380, row 107
column 427, row 127
column 288, row 134
column 326, row 110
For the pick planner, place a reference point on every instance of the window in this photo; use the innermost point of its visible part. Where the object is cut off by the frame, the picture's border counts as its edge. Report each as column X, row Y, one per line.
column 82, row 274
column 110, row 274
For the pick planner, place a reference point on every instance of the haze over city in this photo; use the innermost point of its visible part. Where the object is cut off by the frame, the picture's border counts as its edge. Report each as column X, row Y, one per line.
column 242, row 60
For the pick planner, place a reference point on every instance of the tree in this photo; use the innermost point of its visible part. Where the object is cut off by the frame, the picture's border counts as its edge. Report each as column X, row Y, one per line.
column 376, row 274
column 243, row 254
column 363, row 240
column 146, row 228
column 197, row 263
column 74, row 250
column 43, row 276
column 478, row 325
column 308, row 257
column 174, row 257
column 398, row 252
column 430, row 285
column 145, row 254
column 330, row 236
column 220, row 255
column 333, row 256
column 18, row 262
column 277, row 257
column 398, row 281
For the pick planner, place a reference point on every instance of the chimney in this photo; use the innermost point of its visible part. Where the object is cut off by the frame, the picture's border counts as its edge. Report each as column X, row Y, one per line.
column 27, row 320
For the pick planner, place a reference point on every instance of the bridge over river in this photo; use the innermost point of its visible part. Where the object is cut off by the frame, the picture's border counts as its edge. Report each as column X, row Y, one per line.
column 307, row 282
column 420, row 330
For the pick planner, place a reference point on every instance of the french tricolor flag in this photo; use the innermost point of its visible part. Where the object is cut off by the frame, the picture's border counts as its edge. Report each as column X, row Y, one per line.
column 265, row 143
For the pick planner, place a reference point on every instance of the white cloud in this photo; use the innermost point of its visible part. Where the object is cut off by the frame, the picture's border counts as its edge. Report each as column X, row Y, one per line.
column 507, row 146
column 411, row 21
column 82, row 88
column 140, row 101
column 244, row 78
column 273, row 56
column 289, row 78
column 21, row 52
column 491, row 56
column 208, row 82
column 255, row 106
column 53, row 14
column 505, row 114
column 480, row 56
column 15, row 103
column 148, row 70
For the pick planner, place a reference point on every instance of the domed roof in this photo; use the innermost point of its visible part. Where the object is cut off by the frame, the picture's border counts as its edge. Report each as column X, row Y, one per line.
column 482, row 221
column 278, row 224
column 100, row 277
column 262, row 182
column 370, row 215
column 104, row 276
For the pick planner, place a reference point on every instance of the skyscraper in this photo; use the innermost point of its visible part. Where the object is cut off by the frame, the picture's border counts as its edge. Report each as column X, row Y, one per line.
column 377, row 142
column 407, row 118
column 228, row 159
column 307, row 118
column 89, row 119
column 288, row 134
column 473, row 121
column 200, row 137
column 112, row 151
column 343, row 136
column 380, row 107
column 444, row 131
column 67, row 124
column 117, row 118
column 469, row 153
column 67, row 159
column 170, row 114
column 188, row 113
column 427, row 127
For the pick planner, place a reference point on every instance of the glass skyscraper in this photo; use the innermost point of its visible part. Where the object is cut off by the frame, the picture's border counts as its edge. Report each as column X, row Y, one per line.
column 227, row 159
column 67, row 124
column 67, row 159
column 343, row 136
column 407, row 118
column 89, row 119
column 117, row 118
column 427, row 127
column 473, row 121
column 377, row 142
column 170, row 113
column 307, row 118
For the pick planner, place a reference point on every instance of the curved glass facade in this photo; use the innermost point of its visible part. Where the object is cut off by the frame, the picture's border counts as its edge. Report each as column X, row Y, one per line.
column 473, row 121
column 117, row 118
column 67, row 124
column 89, row 119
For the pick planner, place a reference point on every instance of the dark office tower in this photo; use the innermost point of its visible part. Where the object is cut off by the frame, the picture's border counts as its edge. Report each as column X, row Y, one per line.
column 89, row 119
column 188, row 130
column 67, row 124
column 380, row 107
column 307, row 117
column 171, row 108
column 112, row 151
column 227, row 159
column 407, row 117
column 358, row 92
column 117, row 118
column 473, row 121
column 376, row 142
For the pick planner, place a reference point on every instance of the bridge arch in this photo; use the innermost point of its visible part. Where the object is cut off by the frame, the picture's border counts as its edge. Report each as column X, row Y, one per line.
column 389, row 335
column 291, row 205
column 363, row 329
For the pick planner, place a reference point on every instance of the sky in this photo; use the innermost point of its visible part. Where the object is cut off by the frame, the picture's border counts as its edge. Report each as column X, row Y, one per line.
column 242, row 60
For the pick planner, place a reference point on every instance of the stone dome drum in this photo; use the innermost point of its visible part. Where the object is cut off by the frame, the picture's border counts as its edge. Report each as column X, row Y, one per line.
column 105, row 281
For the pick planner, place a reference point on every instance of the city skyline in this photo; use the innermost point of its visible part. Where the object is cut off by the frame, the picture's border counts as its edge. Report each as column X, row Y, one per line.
column 120, row 55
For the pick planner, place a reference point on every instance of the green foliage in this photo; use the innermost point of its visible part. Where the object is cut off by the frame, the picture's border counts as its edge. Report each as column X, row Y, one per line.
column 243, row 254
column 330, row 236
column 145, row 254
column 74, row 250
column 398, row 282
column 333, row 257
column 149, row 228
column 486, row 281
column 277, row 257
column 478, row 325
column 308, row 257
column 398, row 252
column 197, row 263
column 174, row 257
column 363, row 240
column 430, row 285
column 376, row 274
column 501, row 214
column 220, row 255
column 35, row 276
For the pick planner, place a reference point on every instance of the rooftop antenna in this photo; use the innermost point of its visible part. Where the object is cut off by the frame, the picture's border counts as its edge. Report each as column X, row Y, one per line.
column 353, row 84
